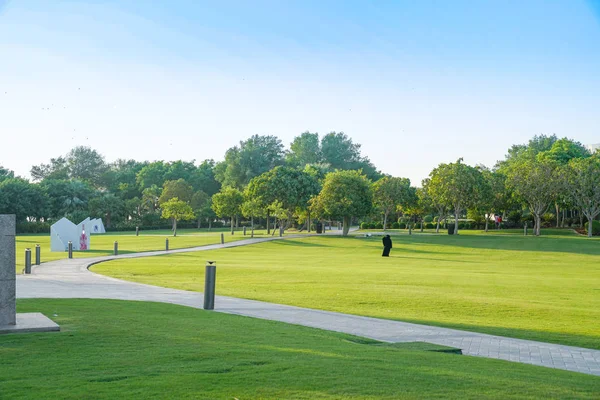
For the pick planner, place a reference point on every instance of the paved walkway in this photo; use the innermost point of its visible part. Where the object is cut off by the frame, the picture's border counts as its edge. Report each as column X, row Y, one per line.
column 71, row 279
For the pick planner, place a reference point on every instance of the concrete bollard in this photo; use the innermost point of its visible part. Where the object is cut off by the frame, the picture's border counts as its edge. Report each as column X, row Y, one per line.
column 38, row 254
column 244, row 231
column 210, row 277
column 222, row 239
column 137, row 231
column 167, row 244
column 116, row 249
column 27, row 261
column 70, row 249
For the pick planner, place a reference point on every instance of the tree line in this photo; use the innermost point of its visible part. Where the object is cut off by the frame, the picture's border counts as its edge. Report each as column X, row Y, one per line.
column 317, row 178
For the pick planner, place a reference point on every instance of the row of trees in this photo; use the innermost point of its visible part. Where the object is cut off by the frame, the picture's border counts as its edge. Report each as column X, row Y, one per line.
column 317, row 178
column 129, row 193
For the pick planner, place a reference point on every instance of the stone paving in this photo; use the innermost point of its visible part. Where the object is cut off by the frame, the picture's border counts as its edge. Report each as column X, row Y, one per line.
column 71, row 279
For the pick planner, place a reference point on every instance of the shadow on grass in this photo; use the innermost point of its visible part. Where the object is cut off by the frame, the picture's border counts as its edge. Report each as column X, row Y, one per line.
column 298, row 243
column 574, row 244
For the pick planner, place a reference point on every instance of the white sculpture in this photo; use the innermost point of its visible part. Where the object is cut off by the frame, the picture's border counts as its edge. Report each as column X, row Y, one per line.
column 64, row 231
column 96, row 226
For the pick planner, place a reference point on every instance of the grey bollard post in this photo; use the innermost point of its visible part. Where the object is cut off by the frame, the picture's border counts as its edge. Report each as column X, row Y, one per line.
column 70, row 249
column 27, row 261
column 38, row 254
column 210, row 276
column 137, row 231
column 222, row 239
column 116, row 248
column 167, row 244
column 244, row 231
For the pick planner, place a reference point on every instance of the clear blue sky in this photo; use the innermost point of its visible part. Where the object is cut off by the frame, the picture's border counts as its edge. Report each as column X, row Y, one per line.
column 416, row 83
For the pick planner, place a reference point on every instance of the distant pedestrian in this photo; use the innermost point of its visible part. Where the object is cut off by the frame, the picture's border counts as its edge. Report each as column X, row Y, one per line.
column 497, row 221
column 387, row 245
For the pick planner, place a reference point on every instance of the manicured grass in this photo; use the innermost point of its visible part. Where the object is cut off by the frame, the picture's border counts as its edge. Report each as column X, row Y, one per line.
column 102, row 245
column 113, row 349
column 545, row 288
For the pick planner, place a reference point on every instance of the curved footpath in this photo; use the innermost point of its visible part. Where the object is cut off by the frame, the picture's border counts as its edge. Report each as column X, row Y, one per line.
column 72, row 279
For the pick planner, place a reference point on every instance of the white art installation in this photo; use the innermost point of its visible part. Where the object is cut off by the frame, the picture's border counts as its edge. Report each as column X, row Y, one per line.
column 64, row 231
column 96, row 226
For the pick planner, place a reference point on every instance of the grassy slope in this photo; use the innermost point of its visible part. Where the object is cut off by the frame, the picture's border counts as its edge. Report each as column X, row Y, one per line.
column 112, row 349
column 102, row 245
column 545, row 288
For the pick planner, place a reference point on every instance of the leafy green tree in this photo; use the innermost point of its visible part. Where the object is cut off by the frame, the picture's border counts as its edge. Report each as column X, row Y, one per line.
column 389, row 193
column 583, row 184
column 201, row 204
column 436, row 203
column 177, row 210
column 150, row 197
column 87, row 165
column 456, row 186
column 6, row 174
column 107, row 206
column 66, row 197
column 534, row 183
column 345, row 194
column 57, row 169
column 227, row 203
column 253, row 157
column 152, row 174
column 178, row 188
column 120, row 178
column 340, row 152
column 25, row 200
column 204, row 178
column 305, row 149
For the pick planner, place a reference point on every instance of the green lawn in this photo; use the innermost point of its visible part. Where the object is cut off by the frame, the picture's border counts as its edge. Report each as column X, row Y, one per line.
column 114, row 349
column 545, row 288
column 102, row 245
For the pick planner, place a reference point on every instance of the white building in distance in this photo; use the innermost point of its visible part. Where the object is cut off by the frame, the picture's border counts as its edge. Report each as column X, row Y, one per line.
column 592, row 148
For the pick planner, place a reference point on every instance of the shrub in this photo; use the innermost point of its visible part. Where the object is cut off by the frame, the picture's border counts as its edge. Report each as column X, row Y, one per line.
column 461, row 225
column 429, row 225
column 595, row 228
column 378, row 225
column 364, row 225
column 468, row 225
column 548, row 218
column 427, row 218
column 402, row 225
column 33, row 227
column 395, row 225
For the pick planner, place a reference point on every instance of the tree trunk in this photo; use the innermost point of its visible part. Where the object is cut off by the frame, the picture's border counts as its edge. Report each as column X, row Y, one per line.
column 346, row 227
column 199, row 223
column 232, row 222
column 308, row 221
column 590, row 224
column 108, row 215
column 456, row 221
column 252, row 222
column 421, row 225
column 557, row 215
column 209, row 224
column 437, row 228
column 174, row 227
column 268, row 222
column 580, row 219
column 487, row 220
column 538, row 224
column 385, row 216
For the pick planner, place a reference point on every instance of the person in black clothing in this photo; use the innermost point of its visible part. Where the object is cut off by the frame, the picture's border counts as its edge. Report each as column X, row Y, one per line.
column 387, row 245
